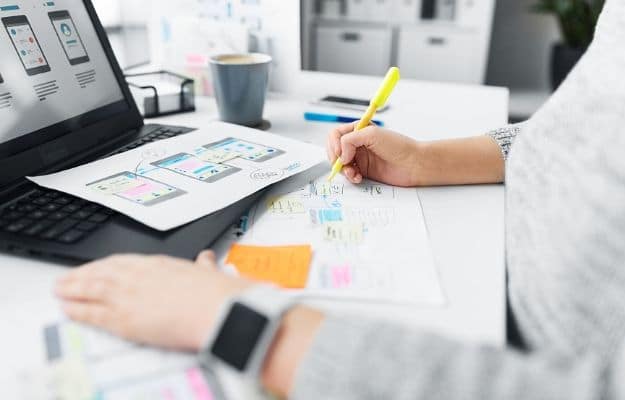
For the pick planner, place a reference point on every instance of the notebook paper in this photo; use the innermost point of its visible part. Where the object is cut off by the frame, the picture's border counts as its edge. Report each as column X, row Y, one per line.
column 84, row 363
column 369, row 241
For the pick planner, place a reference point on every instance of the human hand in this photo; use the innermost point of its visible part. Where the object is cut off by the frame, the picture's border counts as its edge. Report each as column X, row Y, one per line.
column 375, row 153
column 154, row 300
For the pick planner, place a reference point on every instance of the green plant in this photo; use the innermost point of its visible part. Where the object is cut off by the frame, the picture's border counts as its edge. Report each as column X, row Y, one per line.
column 577, row 18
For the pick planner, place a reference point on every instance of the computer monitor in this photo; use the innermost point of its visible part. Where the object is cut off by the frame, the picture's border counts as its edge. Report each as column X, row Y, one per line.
column 61, row 91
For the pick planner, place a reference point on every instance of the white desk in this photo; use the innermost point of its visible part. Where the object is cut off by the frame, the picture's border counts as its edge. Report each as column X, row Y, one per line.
column 465, row 223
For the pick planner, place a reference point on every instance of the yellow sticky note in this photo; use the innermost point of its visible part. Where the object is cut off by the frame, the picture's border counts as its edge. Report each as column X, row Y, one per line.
column 326, row 189
column 71, row 380
column 285, row 266
column 286, row 205
column 343, row 232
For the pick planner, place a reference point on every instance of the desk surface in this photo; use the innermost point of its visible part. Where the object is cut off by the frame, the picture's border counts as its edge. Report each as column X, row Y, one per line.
column 465, row 224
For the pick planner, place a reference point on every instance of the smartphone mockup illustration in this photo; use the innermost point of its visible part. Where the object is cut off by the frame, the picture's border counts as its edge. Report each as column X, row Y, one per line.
column 247, row 150
column 69, row 37
column 26, row 44
column 196, row 168
column 135, row 188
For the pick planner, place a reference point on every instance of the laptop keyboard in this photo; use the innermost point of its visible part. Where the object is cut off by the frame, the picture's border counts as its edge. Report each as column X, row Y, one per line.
column 54, row 216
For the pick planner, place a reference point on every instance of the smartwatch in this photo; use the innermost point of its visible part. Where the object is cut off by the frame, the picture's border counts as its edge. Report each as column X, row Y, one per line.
column 245, row 330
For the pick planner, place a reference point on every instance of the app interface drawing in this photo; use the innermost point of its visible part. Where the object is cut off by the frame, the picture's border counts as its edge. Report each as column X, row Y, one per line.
column 69, row 37
column 138, row 189
column 247, row 150
column 68, row 71
column 26, row 44
column 193, row 167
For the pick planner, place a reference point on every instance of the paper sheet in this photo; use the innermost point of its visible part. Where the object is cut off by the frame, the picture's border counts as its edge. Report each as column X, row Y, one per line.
column 175, row 181
column 285, row 266
column 85, row 363
column 369, row 241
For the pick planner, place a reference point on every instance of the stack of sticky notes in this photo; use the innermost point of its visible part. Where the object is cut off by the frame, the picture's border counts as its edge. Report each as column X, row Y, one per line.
column 285, row 266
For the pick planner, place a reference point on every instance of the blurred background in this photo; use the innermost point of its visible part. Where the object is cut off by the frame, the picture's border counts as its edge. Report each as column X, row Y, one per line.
column 526, row 45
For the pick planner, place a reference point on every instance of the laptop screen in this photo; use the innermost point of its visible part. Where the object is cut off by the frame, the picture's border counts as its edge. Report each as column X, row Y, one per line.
column 55, row 76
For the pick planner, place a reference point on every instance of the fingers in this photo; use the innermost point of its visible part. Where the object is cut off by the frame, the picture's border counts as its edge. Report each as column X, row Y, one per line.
column 344, row 129
column 94, row 281
column 90, row 313
column 90, row 290
column 106, row 267
column 352, row 173
column 333, row 141
column 206, row 258
column 331, row 150
column 351, row 142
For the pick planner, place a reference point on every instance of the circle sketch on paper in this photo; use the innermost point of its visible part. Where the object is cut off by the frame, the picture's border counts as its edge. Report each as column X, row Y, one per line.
column 265, row 174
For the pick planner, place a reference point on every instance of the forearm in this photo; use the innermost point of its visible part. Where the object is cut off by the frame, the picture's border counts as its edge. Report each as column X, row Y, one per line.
column 354, row 359
column 293, row 340
column 474, row 160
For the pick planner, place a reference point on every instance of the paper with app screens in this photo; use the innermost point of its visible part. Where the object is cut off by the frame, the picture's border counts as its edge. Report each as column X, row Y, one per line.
column 84, row 363
column 172, row 182
column 368, row 242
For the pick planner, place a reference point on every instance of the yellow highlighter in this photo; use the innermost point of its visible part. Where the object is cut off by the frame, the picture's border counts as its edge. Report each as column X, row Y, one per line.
column 384, row 92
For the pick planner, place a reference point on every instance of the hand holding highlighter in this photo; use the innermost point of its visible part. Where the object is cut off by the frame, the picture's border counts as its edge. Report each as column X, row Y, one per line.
column 378, row 101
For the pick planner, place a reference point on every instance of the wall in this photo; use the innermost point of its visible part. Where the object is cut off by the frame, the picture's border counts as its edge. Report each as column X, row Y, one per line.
column 520, row 49
column 521, row 45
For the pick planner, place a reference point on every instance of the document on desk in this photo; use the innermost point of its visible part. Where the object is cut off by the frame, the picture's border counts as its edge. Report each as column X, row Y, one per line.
column 369, row 241
column 175, row 181
column 84, row 363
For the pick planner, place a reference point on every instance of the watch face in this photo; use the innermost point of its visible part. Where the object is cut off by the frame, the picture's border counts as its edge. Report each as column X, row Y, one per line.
column 239, row 335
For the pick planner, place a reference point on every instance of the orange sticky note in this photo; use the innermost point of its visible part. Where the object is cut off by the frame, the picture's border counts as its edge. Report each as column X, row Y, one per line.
column 285, row 266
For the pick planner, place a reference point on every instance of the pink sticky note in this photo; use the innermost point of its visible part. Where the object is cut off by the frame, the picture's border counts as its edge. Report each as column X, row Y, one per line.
column 168, row 394
column 341, row 277
column 198, row 384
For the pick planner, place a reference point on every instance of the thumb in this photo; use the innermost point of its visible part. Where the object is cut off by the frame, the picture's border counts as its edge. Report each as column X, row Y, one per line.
column 355, row 140
column 206, row 258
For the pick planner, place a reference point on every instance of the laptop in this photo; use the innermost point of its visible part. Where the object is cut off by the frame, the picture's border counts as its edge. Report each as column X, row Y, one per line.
column 64, row 102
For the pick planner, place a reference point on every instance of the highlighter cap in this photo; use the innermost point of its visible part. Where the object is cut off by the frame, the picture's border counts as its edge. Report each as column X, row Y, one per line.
column 384, row 92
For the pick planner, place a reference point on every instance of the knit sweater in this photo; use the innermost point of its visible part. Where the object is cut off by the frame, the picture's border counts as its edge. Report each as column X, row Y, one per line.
column 565, row 245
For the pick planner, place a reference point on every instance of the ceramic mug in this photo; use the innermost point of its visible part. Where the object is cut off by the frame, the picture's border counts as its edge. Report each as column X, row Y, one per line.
column 240, row 83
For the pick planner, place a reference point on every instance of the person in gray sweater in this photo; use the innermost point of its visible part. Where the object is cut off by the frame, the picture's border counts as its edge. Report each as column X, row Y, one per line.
column 564, row 171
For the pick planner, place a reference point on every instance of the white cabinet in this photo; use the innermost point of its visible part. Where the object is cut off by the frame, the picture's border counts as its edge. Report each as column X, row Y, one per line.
column 359, row 10
column 331, row 9
column 441, row 54
column 369, row 10
column 441, row 40
column 407, row 11
column 381, row 10
column 362, row 51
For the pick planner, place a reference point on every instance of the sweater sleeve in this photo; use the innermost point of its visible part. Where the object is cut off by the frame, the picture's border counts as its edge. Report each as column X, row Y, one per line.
column 351, row 359
column 505, row 137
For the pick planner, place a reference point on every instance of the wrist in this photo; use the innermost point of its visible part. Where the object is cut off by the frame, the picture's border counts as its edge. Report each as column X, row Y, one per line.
column 295, row 336
column 418, row 171
column 206, row 319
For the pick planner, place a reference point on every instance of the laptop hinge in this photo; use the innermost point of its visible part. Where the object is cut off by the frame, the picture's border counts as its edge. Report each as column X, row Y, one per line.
column 14, row 189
